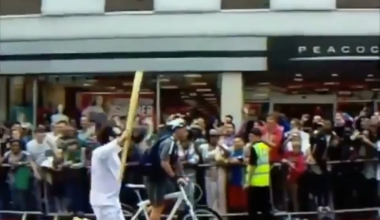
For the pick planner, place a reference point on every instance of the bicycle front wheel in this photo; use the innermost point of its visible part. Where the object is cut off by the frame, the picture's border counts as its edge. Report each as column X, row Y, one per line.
column 203, row 213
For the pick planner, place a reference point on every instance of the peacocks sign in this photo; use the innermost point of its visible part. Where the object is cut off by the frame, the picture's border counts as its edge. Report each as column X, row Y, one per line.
column 322, row 52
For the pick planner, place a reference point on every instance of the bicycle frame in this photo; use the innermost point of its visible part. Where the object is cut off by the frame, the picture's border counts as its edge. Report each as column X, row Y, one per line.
column 180, row 196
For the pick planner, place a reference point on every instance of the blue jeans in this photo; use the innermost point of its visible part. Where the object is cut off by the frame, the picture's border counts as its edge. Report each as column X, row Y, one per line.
column 22, row 199
column 74, row 191
column 25, row 199
column 5, row 199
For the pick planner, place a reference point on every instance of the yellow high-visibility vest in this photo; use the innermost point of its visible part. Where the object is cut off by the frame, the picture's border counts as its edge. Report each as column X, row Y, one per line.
column 262, row 170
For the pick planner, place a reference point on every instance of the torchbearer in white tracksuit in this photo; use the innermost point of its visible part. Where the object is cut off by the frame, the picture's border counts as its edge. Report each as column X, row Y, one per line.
column 105, row 170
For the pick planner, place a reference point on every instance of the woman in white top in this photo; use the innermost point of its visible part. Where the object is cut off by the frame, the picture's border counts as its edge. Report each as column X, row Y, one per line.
column 297, row 132
column 215, row 178
column 208, row 151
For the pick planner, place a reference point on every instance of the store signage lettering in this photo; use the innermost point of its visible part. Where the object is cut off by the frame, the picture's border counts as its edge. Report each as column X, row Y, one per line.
column 303, row 52
column 333, row 50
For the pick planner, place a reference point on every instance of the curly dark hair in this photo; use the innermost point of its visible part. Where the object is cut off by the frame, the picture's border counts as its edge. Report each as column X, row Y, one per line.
column 104, row 133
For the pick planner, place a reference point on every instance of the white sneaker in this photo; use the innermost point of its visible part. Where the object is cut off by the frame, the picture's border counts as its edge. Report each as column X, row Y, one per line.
column 327, row 209
column 320, row 209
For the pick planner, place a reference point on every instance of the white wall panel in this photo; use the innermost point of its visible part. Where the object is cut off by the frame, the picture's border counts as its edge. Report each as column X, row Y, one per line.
column 135, row 45
column 124, row 65
column 232, row 23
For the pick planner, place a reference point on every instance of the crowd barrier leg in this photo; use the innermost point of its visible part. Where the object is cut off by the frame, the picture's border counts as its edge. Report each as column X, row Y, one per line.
column 271, row 195
column 289, row 217
column 46, row 196
column 271, row 187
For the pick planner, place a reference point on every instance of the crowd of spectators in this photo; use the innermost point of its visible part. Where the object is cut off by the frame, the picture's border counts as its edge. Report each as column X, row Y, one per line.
column 317, row 164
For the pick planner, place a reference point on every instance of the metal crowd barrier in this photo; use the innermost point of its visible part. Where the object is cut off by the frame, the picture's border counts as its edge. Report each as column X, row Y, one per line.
column 286, row 214
column 289, row 215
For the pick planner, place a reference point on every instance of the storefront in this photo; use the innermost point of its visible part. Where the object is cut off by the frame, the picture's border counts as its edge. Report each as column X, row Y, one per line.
column 219, row 47
column 319, row 74
column 322, row 74
column 181, row 75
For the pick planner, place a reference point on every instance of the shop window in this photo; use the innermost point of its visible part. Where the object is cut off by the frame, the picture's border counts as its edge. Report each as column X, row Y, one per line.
column 256, row 97
column 101, row 97
column 296, row 110
column 16, row 90
column 20, row 7
column 129, row 5
column 255, row 110
column 256, row 101
column 21, row 100
column 354, row 108
column 355, row 102
column 358, row 4
column 104, row 97
column 245, row 4
column 194, row 95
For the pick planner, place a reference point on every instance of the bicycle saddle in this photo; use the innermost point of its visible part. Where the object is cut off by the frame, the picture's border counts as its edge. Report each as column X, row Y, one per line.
column 135, row 186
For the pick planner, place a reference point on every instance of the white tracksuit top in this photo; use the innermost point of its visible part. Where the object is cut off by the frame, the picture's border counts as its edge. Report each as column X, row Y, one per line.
column 105, row 169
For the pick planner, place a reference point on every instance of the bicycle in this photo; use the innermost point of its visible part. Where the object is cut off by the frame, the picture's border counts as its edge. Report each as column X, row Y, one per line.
column 129, row 210
column 180, row 196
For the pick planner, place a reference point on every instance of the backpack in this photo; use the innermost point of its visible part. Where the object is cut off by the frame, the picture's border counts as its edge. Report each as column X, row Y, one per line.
column 150, row 162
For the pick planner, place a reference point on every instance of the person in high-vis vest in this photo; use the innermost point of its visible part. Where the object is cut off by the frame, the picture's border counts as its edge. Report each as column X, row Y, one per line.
column 258, row 178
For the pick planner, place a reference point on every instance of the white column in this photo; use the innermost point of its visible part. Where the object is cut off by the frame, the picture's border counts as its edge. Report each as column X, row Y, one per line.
column 35, row 101
column 3, row 99
column 158, row 101
column 232, row 96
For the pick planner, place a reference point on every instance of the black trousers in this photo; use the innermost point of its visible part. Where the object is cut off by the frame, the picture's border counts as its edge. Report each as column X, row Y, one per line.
column 367, row 195
column 278, row 180
column 341, row 191
column 321, row 188
column 259, row 201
